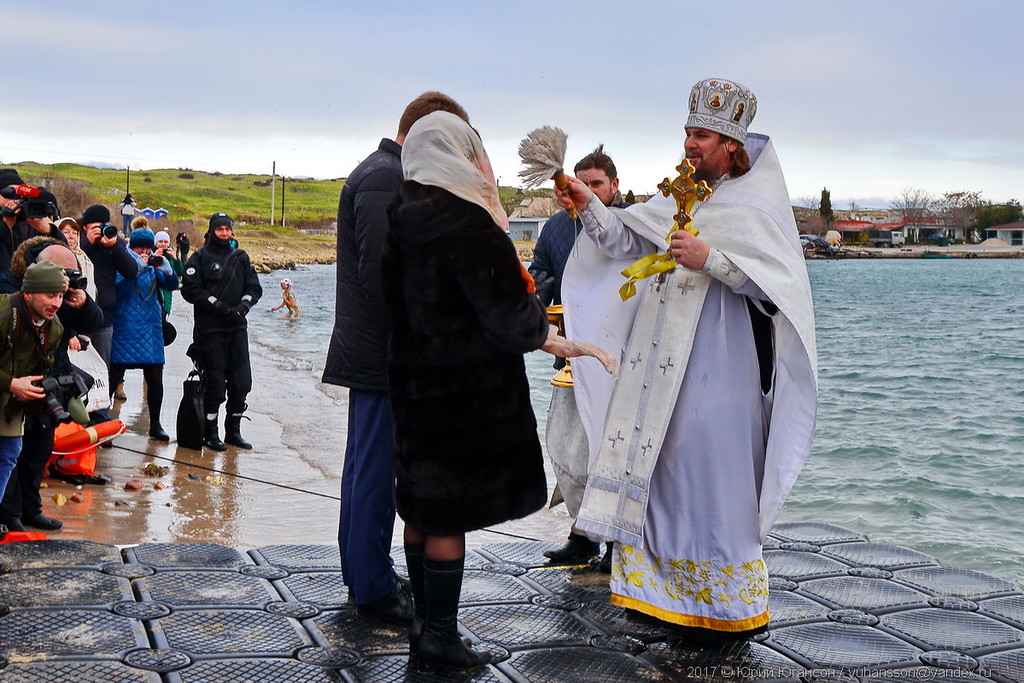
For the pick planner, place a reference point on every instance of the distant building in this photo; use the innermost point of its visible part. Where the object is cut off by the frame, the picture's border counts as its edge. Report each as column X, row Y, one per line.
column 528, row 219
column 1011, row 233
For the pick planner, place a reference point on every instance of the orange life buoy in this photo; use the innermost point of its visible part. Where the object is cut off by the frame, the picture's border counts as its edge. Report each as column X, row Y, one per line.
column 88, row 437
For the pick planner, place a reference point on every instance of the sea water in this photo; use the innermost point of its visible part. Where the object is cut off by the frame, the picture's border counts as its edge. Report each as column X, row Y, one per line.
column 921, row 388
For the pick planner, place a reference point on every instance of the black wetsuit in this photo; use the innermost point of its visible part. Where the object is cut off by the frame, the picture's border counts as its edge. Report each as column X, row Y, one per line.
column 221, row 283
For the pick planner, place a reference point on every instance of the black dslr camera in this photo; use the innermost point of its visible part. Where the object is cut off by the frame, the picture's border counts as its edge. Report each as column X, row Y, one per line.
column 66, row 385
column 109, row 231
column 154, row 260
column 75, row 278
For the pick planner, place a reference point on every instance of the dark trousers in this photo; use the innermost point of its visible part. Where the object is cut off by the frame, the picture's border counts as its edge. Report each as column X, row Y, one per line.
column 368, row 498
column 226, row 369
column 153, row 376
column 21, row 498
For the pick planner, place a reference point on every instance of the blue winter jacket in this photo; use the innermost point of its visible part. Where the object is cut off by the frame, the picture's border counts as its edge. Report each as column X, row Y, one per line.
column 138, row 317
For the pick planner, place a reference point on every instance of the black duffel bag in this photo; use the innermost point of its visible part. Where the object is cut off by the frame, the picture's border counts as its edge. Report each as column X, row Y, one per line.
column 190, row 412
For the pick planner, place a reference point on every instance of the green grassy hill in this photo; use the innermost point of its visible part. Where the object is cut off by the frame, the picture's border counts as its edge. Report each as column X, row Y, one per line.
column 190, row 197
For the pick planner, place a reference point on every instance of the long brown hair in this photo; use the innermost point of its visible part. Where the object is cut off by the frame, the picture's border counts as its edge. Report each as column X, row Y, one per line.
column 740, row 162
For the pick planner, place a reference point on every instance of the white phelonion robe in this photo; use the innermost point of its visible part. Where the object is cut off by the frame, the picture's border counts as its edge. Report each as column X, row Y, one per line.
column 689, row 462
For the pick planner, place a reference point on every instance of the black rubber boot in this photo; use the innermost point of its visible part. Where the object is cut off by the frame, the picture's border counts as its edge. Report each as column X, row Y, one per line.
column 157, row 432
column 577, row 549
column 414, row 564
column 414, row 553
column 211, row 436
column 233, row 433
column 440, row 647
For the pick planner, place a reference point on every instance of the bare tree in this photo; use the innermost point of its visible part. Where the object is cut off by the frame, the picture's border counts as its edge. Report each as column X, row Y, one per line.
column 853, row 208
column 912, row 202
column 808, row 202
column 959, row 211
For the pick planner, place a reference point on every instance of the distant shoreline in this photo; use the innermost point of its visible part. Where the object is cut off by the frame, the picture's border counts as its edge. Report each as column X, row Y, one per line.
column 269, row 255
column 955, row 251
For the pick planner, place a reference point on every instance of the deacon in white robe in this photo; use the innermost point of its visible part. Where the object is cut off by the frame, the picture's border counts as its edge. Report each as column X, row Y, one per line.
column 694, row 448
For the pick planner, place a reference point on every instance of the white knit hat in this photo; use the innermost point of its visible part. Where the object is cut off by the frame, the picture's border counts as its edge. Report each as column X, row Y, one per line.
column 725, row 107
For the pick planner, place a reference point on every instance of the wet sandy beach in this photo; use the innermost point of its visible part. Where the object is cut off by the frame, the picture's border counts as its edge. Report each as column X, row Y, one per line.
column 285, row 490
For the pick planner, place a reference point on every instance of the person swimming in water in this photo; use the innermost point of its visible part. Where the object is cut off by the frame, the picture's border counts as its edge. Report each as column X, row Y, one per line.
column 287, row 300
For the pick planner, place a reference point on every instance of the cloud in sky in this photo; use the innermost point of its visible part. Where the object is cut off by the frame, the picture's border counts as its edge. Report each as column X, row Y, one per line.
column 864, row 98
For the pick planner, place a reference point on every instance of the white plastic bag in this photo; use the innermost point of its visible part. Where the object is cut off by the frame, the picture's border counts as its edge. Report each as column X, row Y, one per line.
column 90, row 361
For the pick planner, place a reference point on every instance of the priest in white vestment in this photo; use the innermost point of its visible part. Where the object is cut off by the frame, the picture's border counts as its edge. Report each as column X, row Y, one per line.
column 694, row 448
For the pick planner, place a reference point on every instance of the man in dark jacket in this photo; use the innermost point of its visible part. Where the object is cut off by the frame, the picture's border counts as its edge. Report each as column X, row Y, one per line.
column 109, row 255
column 357, row 359
column 22, row 505
column 221, row 283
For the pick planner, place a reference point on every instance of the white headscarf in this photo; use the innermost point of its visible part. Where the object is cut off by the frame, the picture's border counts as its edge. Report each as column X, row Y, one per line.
column 444, row 151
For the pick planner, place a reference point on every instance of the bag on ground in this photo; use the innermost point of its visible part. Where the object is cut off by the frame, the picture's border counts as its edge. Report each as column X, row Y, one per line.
column 190, row 412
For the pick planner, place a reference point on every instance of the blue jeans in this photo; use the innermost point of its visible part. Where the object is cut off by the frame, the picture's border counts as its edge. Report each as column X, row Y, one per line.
column 367, row 518
column 126, row 225
column 10, row 449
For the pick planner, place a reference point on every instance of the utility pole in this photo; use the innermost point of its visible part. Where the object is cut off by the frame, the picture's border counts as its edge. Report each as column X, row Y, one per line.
column 127, row 179
column 273, row 187
column 282, row 201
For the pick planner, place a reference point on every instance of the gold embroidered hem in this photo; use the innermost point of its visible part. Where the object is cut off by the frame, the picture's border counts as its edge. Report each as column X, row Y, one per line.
column 707, row 594
column 689, row 619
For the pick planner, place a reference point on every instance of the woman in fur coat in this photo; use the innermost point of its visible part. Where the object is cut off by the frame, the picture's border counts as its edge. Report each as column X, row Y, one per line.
column 463, row 312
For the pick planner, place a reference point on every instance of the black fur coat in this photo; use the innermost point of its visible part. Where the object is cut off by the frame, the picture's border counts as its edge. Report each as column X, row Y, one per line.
column 467, row 453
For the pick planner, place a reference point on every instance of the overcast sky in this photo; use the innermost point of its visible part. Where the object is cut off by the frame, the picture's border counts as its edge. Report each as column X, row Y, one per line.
column 866, row 98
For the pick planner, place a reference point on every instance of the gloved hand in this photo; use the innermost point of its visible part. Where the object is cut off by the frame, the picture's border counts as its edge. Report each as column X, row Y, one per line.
column 222, row 308
column 542, row 279
column 239, row 311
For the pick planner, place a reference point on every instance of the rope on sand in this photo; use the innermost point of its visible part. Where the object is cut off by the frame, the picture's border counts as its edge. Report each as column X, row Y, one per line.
column 283, row 486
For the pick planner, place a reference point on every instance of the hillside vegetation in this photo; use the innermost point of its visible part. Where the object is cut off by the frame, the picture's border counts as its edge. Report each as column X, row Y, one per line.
column 190, row 197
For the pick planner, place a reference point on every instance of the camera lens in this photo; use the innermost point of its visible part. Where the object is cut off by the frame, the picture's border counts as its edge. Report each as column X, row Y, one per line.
column 109, row 231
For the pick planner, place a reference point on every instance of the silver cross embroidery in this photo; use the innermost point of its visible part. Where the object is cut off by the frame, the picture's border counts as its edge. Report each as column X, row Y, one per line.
column 666, row 366
column 686, row 286
column 615, row 440
column 647, row 446
column 635, row 361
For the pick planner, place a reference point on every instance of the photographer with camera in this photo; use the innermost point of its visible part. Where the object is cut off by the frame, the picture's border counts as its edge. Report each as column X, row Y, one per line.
column 163, row 248
column 110, row 257
column 25, row 212
column 21, row 504
column 29, row 335
column 73, row 236
column 138, row 340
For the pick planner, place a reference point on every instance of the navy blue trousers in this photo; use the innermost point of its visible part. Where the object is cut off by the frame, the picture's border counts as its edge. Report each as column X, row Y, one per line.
column 368, row 498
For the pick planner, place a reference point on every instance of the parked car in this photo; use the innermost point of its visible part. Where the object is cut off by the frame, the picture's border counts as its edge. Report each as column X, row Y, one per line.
column 939, row 239
column 814, row 242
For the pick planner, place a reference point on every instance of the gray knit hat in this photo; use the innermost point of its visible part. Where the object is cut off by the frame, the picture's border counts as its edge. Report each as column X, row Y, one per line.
column 44, row 276
column 725, row 107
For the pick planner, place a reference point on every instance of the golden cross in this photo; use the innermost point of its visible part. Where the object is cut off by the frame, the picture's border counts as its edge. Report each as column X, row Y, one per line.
column 686, row 192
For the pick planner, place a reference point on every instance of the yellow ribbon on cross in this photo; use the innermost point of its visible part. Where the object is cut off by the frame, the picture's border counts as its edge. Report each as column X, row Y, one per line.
column 686, row 192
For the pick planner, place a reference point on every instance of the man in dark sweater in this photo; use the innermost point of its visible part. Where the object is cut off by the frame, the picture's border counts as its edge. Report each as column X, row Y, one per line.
column 357, row 359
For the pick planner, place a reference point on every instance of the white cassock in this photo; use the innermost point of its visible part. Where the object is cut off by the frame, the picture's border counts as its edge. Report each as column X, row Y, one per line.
column 689, row 461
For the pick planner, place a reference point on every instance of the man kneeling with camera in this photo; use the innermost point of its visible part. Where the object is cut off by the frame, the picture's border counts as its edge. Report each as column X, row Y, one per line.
column 29, row 334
